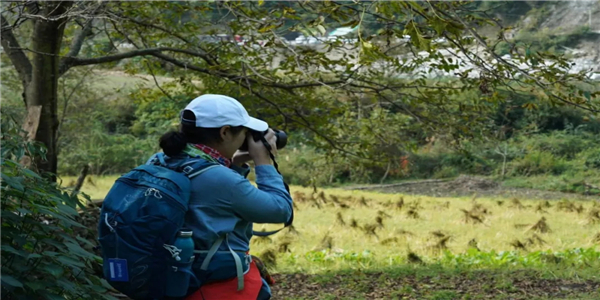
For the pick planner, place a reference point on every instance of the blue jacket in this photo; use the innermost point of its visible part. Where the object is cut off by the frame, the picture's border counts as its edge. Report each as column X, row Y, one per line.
column 223, row 201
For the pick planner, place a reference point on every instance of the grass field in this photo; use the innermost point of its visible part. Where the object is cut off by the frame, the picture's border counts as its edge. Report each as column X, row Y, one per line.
column 367, row 230
column 357, row 242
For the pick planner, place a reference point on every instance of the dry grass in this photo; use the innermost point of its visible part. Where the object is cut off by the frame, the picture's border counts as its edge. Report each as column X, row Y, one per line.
column 415, row 227
column 389, row 225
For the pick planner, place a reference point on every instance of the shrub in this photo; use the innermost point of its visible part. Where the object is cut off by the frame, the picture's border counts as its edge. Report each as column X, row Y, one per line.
column 105, row 153
column 446, row 172
column 303, row 165
column 538, row 162
column 561, row 143
column 591, row 158
column 43, row 257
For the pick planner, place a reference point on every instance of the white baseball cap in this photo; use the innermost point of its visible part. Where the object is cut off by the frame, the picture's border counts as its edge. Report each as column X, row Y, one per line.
column 215, row 111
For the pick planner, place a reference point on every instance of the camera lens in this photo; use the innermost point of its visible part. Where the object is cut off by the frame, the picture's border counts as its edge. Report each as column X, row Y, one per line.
column 280, row 137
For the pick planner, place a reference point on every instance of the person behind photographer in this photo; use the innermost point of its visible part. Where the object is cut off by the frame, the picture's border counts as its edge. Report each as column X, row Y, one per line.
column 224, row 204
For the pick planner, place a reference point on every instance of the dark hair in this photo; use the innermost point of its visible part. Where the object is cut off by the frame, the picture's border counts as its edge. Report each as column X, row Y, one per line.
column 173, row 142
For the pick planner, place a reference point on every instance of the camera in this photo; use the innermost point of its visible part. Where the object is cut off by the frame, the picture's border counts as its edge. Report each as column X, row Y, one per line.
column 280, row 136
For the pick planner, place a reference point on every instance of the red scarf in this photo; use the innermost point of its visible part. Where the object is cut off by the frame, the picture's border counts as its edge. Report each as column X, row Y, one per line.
column 214, row 154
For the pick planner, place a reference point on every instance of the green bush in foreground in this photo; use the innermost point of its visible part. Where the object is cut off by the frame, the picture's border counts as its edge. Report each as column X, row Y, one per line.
column 42, row 255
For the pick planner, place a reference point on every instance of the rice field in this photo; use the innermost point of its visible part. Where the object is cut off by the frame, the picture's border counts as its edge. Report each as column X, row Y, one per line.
column 341, row 229
column 337, row 229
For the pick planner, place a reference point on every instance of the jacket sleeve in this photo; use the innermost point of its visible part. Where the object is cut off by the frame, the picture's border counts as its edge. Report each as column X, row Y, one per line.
column 243, row 170
column 269, row 203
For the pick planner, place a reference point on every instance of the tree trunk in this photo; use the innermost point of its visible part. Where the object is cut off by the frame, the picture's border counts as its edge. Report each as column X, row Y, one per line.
column 42, row 89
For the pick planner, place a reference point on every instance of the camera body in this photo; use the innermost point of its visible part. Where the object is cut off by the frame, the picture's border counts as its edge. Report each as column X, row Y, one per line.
column 281, row 138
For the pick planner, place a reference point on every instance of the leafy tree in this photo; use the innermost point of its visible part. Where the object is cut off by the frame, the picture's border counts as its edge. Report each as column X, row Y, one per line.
column 45, row 40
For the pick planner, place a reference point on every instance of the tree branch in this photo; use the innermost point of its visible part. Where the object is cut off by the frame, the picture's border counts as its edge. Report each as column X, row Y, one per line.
column 165, row 30
column 234, row 77
column 67, row 99
column 15, row 53
column 74, row 61
column 77, row 42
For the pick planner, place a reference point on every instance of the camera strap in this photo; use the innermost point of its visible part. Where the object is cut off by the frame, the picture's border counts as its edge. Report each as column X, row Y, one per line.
column 287, row 188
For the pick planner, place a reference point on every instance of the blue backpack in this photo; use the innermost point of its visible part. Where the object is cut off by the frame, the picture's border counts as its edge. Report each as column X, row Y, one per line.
column 139, row 221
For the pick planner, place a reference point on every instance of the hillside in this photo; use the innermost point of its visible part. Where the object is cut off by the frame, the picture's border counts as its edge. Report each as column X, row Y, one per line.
column 572, row 26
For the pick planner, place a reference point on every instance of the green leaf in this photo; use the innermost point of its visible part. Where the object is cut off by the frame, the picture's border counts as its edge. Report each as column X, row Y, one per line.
column 87, row 242
column 587, row 96
column 62, row 218
column 321, row 29
column 51, row 296
column 35, row 285
column 77, row 250
column 13, row 182
column 439, row 25
column 50, row 253
column 70, row 287
column 24, row 211
column 12, row 250
column 70, row 262
column 109, row 297
column 105, row 283
column 54, row 269
column 67, row 209
column 11, row 281
column 54, row 243
column 33, row 255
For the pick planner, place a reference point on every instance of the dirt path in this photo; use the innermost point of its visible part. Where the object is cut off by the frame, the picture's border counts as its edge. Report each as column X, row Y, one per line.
column 468, row 186
column 473, row 285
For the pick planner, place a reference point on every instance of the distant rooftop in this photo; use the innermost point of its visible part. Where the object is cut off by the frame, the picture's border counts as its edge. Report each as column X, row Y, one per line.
column 342, row 31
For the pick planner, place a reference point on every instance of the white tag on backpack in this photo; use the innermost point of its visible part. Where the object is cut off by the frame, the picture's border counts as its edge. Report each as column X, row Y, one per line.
column 118, row 269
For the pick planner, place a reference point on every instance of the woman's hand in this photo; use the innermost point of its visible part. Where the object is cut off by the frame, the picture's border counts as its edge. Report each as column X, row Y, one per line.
column 240, row 158
column 257, row 150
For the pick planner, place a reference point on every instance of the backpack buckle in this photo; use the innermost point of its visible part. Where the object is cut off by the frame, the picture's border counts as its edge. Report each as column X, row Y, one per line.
column 188, row 169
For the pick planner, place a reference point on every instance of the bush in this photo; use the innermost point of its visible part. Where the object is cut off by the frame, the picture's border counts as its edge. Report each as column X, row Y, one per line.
column 538, row 162
column 424, row 165
column 43, row 256
column 446, row 172
column 105, row 153
column 591, row 158
column 303, row 165
column 561, row 143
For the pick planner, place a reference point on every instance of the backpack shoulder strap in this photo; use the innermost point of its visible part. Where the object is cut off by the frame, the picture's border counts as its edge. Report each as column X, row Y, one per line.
column 196, row 167
column 157, row 159
column 190, row 168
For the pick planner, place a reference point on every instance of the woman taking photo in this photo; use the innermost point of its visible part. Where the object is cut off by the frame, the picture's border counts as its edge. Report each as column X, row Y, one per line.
column 224, row 204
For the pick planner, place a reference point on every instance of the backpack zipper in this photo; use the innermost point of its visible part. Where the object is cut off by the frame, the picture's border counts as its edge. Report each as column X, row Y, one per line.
column 156, row 192
column 135, row 183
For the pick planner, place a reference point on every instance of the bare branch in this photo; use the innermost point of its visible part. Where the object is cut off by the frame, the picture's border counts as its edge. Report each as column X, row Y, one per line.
column 165, row 30
column 68, row 98
column 156, row 82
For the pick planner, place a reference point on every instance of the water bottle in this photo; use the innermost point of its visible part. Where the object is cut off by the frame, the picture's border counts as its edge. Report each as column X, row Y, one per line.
column 179, row 274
